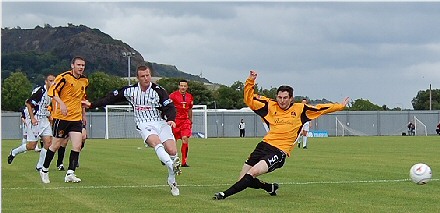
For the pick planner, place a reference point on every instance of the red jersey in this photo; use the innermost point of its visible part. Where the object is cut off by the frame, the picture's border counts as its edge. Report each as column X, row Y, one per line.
column 183, row 103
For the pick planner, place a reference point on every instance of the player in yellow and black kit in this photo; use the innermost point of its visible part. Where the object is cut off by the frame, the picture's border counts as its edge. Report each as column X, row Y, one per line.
column 68, row 116
column 285, row 120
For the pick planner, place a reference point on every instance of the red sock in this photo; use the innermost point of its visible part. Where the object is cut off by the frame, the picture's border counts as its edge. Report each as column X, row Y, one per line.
column 184, row 151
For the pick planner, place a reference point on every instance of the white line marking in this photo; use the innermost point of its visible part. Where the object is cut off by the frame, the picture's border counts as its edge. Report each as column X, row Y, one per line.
column 78, row 186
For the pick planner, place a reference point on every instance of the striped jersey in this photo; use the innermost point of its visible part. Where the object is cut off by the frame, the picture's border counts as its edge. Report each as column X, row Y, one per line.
column 152, row 105
column 40, row 101
column 283, row 125
column 25, row 113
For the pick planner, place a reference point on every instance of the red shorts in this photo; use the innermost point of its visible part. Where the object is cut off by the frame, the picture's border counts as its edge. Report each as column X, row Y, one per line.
column 183, row 128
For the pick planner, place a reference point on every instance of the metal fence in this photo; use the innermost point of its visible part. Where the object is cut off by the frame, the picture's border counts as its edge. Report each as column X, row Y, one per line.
column 224, row 123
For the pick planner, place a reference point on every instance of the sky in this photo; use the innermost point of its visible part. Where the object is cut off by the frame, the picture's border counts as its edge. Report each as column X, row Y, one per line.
column 384, row 52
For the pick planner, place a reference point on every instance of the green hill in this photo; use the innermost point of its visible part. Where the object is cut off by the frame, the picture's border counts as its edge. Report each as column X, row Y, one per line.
column 48, row 49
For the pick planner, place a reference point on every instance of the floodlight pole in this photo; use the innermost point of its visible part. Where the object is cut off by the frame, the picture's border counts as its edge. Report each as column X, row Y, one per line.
column 128, row 55
column 430, row 98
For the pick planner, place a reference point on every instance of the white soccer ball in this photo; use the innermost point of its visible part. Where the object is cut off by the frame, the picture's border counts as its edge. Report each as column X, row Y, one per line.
column 420, row 173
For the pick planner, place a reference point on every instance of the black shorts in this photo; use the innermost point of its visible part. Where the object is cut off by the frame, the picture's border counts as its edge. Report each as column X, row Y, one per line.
column 273, row 156
column 61, row 128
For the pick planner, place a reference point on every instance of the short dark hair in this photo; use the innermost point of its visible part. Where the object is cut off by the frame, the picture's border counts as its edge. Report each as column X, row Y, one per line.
column 285, row 88
column 146, row 66
column 47, row 76
column 77, row 58
column 183, row 80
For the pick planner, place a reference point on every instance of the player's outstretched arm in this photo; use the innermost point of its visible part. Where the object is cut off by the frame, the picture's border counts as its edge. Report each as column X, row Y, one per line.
column 345, row 101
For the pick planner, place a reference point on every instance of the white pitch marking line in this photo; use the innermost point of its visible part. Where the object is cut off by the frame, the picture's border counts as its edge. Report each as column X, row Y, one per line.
column 206, row 185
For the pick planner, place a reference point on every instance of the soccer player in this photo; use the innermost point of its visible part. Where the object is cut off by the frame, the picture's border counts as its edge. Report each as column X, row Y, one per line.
column 285, row 120
column 183, row 101
column 154, row 115
column 68, row 115
column 37, row 121
column 304, row 131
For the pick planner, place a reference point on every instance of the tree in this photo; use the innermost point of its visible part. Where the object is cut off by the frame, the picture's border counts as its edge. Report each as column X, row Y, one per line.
column 169, row 84
column 100, row 84
column 15, row 90
column 364, row 105
column 421, row 101
column 229, row 98
column 202, row 95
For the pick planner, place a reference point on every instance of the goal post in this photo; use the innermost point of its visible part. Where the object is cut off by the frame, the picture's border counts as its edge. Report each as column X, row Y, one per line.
column 200, row 121
column 119, row 122
column 420, row 127
column 344, row 130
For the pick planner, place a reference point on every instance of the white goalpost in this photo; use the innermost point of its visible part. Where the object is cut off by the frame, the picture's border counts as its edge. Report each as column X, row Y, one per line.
column 119, row 122
column 344, row 130
column 420, row 127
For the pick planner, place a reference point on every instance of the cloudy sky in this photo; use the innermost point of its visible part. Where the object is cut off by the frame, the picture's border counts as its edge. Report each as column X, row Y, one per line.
column 382, row 52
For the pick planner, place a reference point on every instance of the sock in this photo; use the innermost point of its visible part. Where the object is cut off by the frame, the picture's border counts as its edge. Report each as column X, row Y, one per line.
column 164, row 157
column 184, row 150
column 48, row 159
column 61, row 152
column 258, row 184
column 304, row 141
column 73, row 160
column 22, row 148
column 41, row 144
column 240, row 185
column 42, row 157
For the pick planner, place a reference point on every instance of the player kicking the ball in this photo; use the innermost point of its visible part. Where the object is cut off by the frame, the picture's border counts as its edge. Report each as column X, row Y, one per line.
column 285, row 120
column 154, row 114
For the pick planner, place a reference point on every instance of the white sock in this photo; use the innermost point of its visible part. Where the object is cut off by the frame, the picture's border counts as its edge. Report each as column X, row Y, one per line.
column 22, row 148
column 42, row 157
column 164, row 157
column 174, row 157
column 304, row 141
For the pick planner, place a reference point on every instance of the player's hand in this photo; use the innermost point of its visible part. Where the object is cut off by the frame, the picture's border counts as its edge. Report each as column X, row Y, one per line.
column 34, row 121
column 84, row 120
column 253, row 75
column 63, row 109
column 86, row 104
column 172, row 124
column 345, row 101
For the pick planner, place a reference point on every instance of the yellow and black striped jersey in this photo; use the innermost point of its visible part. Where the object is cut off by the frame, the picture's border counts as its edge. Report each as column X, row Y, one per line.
column 284, row 125
column 71, row 91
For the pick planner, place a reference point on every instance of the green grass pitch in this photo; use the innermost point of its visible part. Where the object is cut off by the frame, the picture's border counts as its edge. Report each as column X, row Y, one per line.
column 336, row 174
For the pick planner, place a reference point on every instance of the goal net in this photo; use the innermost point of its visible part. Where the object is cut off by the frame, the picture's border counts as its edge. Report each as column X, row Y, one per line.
column 420, row 127
column 344, row 130
column 119, row 122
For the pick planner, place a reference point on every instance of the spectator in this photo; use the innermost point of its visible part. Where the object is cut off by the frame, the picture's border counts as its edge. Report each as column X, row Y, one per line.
column 411, row 129
column 242, row 127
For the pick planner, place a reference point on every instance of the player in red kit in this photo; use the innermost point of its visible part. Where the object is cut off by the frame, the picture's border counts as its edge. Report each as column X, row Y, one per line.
column 183, row 101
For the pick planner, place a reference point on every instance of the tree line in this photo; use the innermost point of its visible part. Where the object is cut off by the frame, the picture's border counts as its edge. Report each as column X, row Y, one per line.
column 17, row 88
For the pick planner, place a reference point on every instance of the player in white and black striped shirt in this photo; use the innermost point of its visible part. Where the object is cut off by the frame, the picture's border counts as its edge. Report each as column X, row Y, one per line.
column 154, row 114
column 37, row 122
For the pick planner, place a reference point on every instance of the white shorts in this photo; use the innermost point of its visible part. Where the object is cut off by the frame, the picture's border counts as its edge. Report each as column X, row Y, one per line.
column 159, row 128
column 42, row 129
column 306, row 126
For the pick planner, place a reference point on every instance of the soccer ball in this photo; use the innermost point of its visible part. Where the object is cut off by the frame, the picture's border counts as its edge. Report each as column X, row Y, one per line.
column 420, row 173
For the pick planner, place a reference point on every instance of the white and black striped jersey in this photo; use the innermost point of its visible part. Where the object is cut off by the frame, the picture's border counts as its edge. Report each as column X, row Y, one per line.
column 25, row 113
column 152, row 105
column 39, row 101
